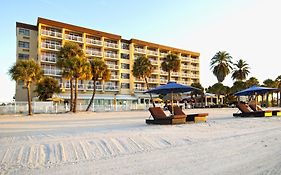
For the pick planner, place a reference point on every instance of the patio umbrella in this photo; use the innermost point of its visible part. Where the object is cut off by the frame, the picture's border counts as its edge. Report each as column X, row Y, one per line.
column 172, row 87
column 254, row 90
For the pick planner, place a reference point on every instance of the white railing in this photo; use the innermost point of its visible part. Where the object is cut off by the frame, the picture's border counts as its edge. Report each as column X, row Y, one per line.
column 184, row 74
column 163, row 81
column 93, row 41
column 111, row 45
column 139, row 89
column 154, row 62
column 115, row 77
column 51, row 46
column 163, row 72
column 163, row 54
column 49, row 59
column 184, row 66
column 111, row 88
column 184, row 58
column 111, row 55
column 152, row 52
column 155, row 72
column 175, row 74
column 51, row 33
column 93, row 52
column 139, row 80
column 73, row 38
column 91, row 87
column 139, row 50
column 152, row 80
column 195, row 60
column 113, row 66
column 55, row 72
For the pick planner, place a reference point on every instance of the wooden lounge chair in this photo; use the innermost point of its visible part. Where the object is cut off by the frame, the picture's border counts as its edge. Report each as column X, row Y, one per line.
column 256, row 107
column 200, row 117
column 159, row 117
column 245, row 112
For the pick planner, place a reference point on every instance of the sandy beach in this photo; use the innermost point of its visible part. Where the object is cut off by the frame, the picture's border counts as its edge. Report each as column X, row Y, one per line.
column 121, row 143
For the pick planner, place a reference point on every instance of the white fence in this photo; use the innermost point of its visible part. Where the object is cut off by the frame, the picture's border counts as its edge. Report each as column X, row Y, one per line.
column 53, row 108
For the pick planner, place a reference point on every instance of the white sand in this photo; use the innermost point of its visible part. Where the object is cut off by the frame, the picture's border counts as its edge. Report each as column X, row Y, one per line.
column 121, row 143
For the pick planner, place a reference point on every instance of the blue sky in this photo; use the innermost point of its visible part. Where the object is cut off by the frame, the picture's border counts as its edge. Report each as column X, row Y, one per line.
column 247, row 29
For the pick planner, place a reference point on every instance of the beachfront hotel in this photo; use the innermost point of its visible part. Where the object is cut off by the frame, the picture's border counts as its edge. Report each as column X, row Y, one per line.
column 42, row 42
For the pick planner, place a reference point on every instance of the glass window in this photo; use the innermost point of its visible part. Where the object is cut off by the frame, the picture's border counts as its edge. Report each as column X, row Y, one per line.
column 25, row 32
column 125, row 85
column 125, row 56
column 125, row 66
column 23, row 44
column 23, row 56
column 125, row 76
column 125, row 46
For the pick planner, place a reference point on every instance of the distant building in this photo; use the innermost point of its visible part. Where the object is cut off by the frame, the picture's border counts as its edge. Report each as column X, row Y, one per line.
column 43, row 41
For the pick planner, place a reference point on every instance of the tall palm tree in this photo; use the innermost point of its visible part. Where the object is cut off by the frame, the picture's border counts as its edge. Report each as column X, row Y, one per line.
column 27, row 71
column 221, row 65
column 142, row 69
column 241, row 70
column 100, row 72
column 171, row 63
column 252, row 81
column 68, row 51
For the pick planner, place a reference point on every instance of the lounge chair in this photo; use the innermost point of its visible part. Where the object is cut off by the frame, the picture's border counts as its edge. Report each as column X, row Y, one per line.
column 200, row 117
column 159, row 117
column 245, row 112
column 256, row 107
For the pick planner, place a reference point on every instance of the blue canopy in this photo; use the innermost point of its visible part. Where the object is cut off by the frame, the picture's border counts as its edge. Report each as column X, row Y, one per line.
column 254, row 90
column 172, row 87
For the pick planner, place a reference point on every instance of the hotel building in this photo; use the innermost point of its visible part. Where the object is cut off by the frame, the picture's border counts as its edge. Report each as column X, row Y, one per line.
column 42, row 42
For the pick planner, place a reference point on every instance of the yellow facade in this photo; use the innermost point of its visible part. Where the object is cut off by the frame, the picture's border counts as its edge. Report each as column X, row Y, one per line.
column 119, row 54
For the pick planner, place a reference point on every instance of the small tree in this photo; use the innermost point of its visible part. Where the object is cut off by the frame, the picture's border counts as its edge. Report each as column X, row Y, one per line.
column 100, row 72
column 27, row 71
column 142, row 69
column 46, row 87
column 171, row 63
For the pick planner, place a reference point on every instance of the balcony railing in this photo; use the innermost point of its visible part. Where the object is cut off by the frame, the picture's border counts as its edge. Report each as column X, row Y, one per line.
column 195, row 60
column 73, row 38
column 91, row 87
column 139, row 89
column 139, row 80
column 113, row 66
column 111, row 88
column 93, row 53
column 163, row 54
column 49, row 59
column 114, row 77
column 152, row 52
column 93, row 41
column 163, row 81
column 53, row 72
column 51, row 33
column 111, row 45
column 155, row 72
column 152, row 80
column 139, row 50
column 184, row 74
column 51, row 46
column 154, row 62
column 175, row 74
column 184, row 66
column 111, row 55
column 163, row 72
column 184, row 58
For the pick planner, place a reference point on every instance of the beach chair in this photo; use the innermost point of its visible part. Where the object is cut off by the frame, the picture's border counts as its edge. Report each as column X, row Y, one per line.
column 245, row 112
column 200, row 117
column 159, row 117
column 256, row 107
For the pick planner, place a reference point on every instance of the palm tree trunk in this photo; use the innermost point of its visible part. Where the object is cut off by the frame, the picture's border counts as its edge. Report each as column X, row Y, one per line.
column 92, row 98
column 75, row 95
column 169, row 76
column 29, row 99
column 71, row 94
column 146, row 82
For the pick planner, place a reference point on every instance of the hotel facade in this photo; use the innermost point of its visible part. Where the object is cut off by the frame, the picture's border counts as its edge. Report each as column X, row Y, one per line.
column 41, row 42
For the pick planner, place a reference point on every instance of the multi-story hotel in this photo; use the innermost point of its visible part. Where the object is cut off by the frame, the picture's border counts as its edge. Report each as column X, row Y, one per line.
column 43, row 41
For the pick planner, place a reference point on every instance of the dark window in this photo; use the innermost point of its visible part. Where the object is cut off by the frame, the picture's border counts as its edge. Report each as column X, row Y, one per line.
column 125, row 66
column 125, row 76
column 125, row 85
column 125, row 46
column 125, row 56
column 23, row 44
column 25, row 32
column 23, row 56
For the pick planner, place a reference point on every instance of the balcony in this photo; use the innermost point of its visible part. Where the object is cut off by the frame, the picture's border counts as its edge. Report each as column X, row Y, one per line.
column 111, row 55
column 51, row 33
column 52, row 72
column 184, row 74
column 111, row 45
column 140, row 50
column 93, row 53
column 153, row 80
column 48, row 59
column 184, row 58
column 184, row 66
column 163, row 73
column 194, row 76
column 50, row 46
column 139, row 89
column 152, row 52
column 195, row 60
column 194, row 68
column 93, row 42
column 74, row 38
column 139, row 80
column 163, row 54
column 162, row 81
column 114, row 77
column 155, row 71
column 154, row 62
column 111, row 88
column 80, row 86
column 175, row 74
column 91, row 87
column 113, row 66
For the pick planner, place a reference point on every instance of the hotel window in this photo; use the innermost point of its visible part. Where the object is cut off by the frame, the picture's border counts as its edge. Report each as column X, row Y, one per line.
column 125, row 76
column 23, row 56
column 125, row 66
column 125, row 85
column 25, row 32
column 125, row 56
column 125, row 46
column 23, row 44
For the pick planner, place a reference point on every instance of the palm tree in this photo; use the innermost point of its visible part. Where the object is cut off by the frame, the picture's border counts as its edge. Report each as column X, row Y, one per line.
column 27, row 71
column 269, row 83
column 46, row 87
column 278, row 83
column 241, row 70
column 100, row 72
column 171, row 63
column 252, row 81
column 221, row 65
column 68, row 51
column 142, row 69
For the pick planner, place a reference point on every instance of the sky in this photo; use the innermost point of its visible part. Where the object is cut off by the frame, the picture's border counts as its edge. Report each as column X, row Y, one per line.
column 246, row 29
